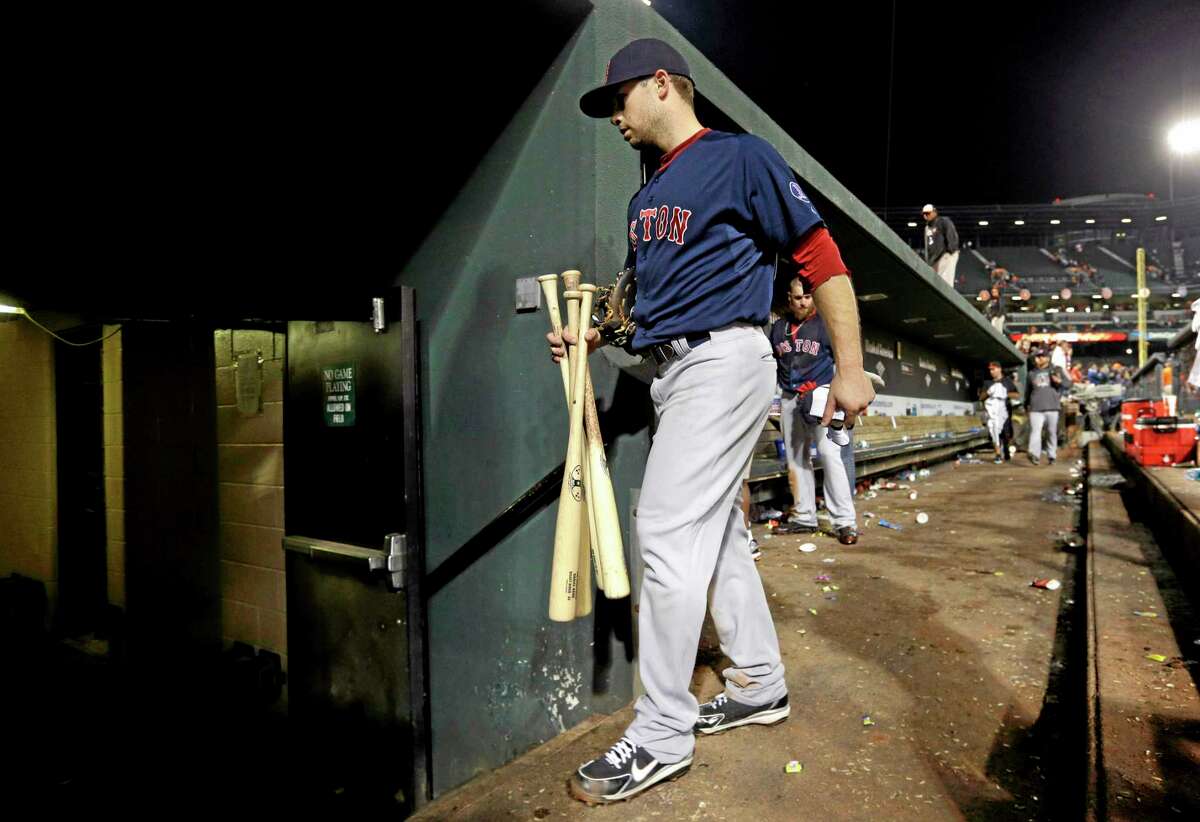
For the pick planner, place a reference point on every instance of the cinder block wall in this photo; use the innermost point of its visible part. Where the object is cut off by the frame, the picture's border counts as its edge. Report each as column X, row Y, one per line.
column 29, row 477
column 250, row 477
column 114, row 465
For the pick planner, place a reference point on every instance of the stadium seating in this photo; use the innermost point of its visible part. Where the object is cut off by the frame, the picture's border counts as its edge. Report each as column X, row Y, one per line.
column 1034, row 270
column 1041, row 274
column 1112, row 274
column 971, row 276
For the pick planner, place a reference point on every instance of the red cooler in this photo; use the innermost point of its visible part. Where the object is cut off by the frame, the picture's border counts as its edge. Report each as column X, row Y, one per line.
column 1131, row 410
column 1158, row 441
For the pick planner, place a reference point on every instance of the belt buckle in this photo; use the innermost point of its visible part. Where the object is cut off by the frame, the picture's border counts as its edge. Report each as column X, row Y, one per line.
column 662, row 353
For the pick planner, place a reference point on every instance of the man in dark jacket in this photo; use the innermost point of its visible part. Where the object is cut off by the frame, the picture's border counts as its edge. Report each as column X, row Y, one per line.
column 941, row 244
column 1043, row 393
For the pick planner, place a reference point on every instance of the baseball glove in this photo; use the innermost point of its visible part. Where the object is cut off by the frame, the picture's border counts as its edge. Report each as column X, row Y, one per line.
column 612, row 310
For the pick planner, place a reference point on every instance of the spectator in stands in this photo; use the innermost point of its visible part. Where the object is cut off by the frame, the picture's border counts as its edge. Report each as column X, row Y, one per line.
column 995, row 309
column 1043, row 399
column 1076, row 374
column 941, row 244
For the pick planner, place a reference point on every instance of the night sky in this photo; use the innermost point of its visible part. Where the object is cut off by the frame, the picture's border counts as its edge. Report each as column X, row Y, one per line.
column 257, row 141
column 992, row 102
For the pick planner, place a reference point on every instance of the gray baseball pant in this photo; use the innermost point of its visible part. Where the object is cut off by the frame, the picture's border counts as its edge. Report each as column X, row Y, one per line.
column 945, row 266
column 1036, row 420
column 797, row 436
column 710, row 405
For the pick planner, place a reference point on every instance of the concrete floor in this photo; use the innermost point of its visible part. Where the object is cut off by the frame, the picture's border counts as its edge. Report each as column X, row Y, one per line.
column 966, row 673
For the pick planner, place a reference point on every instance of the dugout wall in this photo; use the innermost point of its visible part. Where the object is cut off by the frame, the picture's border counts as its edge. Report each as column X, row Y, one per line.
column 550, row 195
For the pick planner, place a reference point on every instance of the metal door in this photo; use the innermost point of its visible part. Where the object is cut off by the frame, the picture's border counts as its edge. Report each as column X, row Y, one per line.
column 352, row 518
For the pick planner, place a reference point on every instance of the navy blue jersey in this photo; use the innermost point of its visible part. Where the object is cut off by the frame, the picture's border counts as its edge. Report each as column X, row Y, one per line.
column 704, row 232
column 803, row 354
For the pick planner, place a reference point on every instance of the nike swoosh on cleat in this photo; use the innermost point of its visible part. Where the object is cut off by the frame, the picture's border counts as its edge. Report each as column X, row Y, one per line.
column 638, row 773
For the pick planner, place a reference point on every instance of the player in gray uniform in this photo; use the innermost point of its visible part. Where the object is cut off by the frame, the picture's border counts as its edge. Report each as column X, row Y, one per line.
column 805, row 367
column 704, row 278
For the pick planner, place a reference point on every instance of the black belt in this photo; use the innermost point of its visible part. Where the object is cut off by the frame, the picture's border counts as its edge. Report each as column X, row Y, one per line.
column 665, row 352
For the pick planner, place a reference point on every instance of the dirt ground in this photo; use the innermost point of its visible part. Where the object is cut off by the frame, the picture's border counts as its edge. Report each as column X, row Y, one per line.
column 925, row 683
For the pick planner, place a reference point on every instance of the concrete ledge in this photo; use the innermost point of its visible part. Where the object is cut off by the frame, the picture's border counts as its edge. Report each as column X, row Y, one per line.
column 1144, row 714
column 1170, row 501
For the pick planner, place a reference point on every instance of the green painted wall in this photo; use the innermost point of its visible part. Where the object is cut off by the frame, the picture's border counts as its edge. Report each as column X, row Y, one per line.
column 503, row 676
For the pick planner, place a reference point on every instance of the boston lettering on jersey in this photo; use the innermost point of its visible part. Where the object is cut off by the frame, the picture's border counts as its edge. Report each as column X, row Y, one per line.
column 704, row 232
column 801, row 347
column 803, row 355
column 666, row 221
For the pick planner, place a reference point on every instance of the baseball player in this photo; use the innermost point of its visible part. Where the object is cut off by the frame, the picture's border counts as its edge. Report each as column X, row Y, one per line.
column 703, row 233
column 805, row 368
column 996, row 395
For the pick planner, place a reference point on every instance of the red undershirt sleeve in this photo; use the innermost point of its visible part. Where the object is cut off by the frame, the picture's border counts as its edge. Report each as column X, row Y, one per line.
column 818, row 258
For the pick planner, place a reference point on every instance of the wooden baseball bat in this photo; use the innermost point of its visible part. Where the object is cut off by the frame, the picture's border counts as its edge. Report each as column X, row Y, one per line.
column 564, row 570
column 588, row 556
column 571, row 283
column 606, row 524
column 550, row 292
column 608, row 550
column 587, row 547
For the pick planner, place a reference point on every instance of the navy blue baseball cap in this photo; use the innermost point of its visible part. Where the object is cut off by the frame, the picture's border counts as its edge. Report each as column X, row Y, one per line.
column 641, row 58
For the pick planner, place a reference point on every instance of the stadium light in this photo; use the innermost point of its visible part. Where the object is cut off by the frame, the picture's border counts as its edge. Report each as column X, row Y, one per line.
column 1160, row 219
column 912, row 225
column 983, row 222
column 1018, row 222
column 1183, row 139
column 1126, row 220
column 1089, row 221
column 1128, row 350
column 1055, row 222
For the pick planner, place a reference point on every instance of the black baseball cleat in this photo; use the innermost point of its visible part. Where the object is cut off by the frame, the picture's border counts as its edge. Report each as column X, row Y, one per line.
column 792, row 526
column 626, row 770
column 724, row 713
